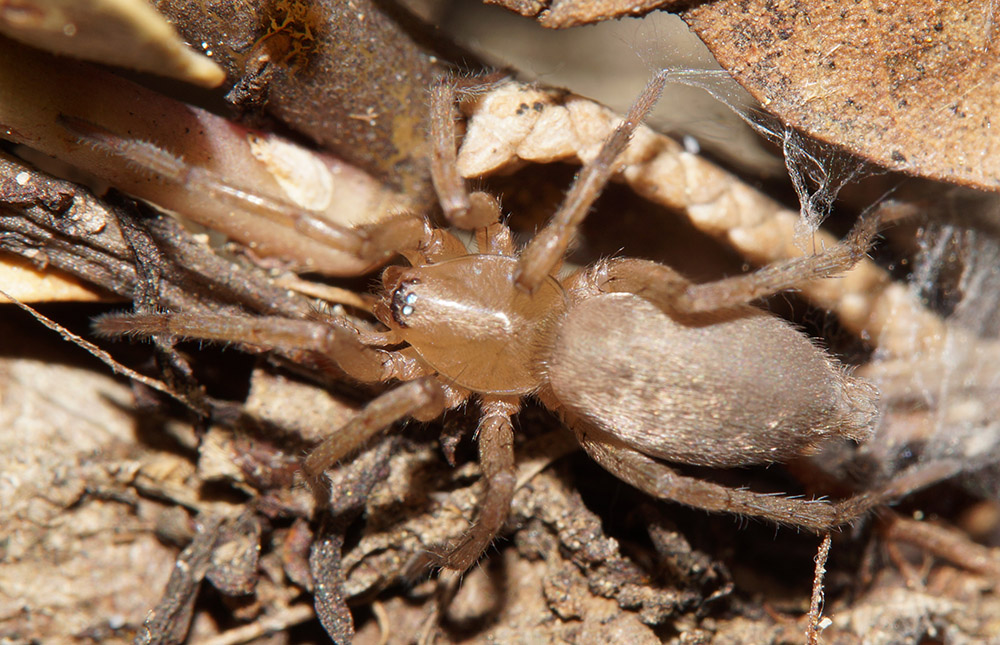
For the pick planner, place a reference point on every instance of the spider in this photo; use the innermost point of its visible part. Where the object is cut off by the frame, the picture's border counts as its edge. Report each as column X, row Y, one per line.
column 642, row 365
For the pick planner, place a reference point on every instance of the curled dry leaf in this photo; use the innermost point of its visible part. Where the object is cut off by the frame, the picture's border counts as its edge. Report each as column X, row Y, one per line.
column 124, row 33
column 44, row 98
column 54, row 223
column 909, row 85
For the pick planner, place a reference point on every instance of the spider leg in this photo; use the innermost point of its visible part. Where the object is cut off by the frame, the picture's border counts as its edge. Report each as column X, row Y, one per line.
column 496, row 457
column 336, row 338
column 817, row 515
column 468, row 210
column 462, row 208
column 423, row 398
column 373, row 242
column 549, row 246
column 664, row 287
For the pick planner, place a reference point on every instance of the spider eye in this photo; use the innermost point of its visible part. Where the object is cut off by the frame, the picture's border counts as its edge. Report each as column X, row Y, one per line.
column 403, row 300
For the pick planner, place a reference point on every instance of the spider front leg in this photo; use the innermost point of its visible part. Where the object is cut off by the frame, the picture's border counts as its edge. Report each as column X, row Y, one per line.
column 665, row 288
column 549, row 246
column 462, row 208
column 496, row 457
column 349, row 348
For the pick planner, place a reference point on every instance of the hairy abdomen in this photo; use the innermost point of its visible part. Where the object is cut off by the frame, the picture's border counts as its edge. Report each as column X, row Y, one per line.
column 737, row 387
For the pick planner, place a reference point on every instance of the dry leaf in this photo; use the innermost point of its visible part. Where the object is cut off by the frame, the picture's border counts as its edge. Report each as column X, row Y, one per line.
column 559, row 14
column 42, row 92
column 125, row 33
column 909, row 85
column 28, row 284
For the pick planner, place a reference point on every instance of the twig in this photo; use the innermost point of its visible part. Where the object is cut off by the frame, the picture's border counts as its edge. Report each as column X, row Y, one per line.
column 816, row 602
column 944, row 543
column 103, row 356
column 276, row 622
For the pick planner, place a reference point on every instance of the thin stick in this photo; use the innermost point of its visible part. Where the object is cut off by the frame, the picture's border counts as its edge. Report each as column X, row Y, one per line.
column 279, row 621
column 816, row 602
column 942, row 542
column 103, row 356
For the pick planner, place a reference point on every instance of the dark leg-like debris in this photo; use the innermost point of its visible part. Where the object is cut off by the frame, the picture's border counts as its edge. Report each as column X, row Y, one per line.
column 942, row 542
column 170, row 619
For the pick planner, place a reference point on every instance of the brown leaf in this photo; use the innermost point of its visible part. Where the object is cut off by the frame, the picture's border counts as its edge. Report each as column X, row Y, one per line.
column 559, row 14
column 126, row 33
column 909, row 85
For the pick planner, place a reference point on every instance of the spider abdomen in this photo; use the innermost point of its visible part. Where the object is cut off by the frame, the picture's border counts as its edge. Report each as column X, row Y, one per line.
column 739, row 387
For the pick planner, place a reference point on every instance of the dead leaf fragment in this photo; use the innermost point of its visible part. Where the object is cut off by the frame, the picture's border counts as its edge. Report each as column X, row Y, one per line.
column 909, row 85
column 124, row 33
column 41, row 93
column 28, row 284
column 559, row 14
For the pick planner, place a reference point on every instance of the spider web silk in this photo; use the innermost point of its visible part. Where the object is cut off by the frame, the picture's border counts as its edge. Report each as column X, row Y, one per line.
column 817, row 171
column 950, row 404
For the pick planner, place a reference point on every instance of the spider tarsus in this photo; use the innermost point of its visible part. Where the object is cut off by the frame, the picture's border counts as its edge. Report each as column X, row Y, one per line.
column 132, row 325
column 404, row 232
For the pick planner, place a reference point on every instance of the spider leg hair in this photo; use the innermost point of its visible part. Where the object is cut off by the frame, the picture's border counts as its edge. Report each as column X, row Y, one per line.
column 816, row 515
column 372, row 242
column 461, row 208
column 421, row 398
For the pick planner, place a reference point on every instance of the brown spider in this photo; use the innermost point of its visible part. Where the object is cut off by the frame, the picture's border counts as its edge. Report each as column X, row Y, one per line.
column 641, row 364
